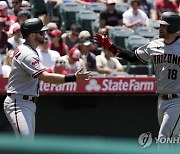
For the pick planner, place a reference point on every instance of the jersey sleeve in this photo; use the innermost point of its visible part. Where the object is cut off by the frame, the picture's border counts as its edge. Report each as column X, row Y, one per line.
column 32, row 65
column 142, row 53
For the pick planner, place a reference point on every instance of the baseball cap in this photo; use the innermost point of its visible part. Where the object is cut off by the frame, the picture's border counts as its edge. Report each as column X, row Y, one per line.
column 84, row 35
column 111, row 1
column 15, row 27
column 52, row 26
column 55, row 32
column 75, row 54
column 33, row 25
column 25, row 5
column 3, row 5
column 86, row 42
column 169, row 18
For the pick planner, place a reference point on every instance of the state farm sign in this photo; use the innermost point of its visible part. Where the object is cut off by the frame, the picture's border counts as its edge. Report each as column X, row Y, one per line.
column 130, row 85
column 97, row 85
column 103, row 85
column 68, row 87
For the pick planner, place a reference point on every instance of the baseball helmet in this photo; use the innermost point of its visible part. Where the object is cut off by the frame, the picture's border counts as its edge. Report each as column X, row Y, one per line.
column 32, row 25
column 172, row 20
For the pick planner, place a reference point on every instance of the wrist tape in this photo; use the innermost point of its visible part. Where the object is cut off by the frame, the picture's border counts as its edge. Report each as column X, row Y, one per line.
column 70, row 78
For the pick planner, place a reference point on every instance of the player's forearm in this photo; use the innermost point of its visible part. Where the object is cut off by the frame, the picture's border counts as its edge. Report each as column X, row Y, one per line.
column 55, row 78
column 105, row 42
column 52, row 78
column 124, row 53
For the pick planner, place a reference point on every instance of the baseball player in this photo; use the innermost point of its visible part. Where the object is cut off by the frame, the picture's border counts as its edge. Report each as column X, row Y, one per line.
column 165, row 54
column 27, row 71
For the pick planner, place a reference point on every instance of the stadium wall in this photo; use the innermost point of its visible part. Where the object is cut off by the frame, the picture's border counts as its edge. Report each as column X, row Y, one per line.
column 111, row 115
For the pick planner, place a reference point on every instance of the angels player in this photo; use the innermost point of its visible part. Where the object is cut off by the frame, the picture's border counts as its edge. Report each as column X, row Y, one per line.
column 165, row 53
column 27, row 71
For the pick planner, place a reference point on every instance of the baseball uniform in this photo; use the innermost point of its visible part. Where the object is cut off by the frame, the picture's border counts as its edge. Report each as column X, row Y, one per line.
column 166, row 58
column 19, row 105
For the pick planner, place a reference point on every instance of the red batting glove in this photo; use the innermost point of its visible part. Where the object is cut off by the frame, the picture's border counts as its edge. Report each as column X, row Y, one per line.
column 103, row 40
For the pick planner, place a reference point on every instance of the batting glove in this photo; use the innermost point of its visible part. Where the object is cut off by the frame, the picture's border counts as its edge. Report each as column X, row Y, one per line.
column 103, row 40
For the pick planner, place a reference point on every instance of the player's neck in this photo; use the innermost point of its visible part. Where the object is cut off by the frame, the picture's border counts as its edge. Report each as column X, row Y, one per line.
column 170, row 40
column 32, row 44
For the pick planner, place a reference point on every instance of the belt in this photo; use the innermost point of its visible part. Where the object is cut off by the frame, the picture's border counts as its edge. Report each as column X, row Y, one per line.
column 169, row 96
column 28, row 98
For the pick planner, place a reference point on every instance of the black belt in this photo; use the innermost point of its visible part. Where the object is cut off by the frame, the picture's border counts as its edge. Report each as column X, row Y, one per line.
column 26, row 97
column 169, row 96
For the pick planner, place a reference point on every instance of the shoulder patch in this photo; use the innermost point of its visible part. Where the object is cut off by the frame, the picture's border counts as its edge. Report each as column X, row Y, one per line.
column 35, row 61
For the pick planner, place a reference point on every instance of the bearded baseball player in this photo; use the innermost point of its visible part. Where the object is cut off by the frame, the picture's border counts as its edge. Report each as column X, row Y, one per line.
column 27, row 71
column 165, row 54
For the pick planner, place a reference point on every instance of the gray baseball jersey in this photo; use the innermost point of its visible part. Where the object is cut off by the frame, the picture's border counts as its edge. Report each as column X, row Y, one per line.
column 166, row 60
column 25, row 67
column 22, row 81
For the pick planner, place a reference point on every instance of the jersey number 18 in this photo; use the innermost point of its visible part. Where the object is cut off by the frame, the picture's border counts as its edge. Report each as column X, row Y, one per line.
column 172, row 74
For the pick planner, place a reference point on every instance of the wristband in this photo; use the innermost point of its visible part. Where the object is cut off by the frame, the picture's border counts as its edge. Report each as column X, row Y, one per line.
column 70, row 78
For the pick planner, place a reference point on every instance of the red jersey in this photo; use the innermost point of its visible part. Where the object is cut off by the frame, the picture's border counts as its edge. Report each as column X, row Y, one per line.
column 61, row 49
column 169, row 7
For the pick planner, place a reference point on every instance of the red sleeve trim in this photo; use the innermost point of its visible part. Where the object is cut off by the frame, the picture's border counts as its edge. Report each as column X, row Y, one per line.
column 38, row 72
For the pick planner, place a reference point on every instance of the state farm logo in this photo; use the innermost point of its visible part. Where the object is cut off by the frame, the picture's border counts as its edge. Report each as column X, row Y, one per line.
column 109, row 85
column 93, row 85
column 68, row 87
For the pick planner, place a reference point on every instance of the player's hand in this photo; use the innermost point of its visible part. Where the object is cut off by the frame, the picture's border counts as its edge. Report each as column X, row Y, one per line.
column 82, row 76
column 103, row 40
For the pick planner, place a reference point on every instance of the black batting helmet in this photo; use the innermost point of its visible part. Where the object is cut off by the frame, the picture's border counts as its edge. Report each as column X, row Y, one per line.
column 172, row 20
column 32, row 25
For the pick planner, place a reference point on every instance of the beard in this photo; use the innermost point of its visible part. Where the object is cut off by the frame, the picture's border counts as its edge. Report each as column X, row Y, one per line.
column 162, row 35
column 40, row 39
